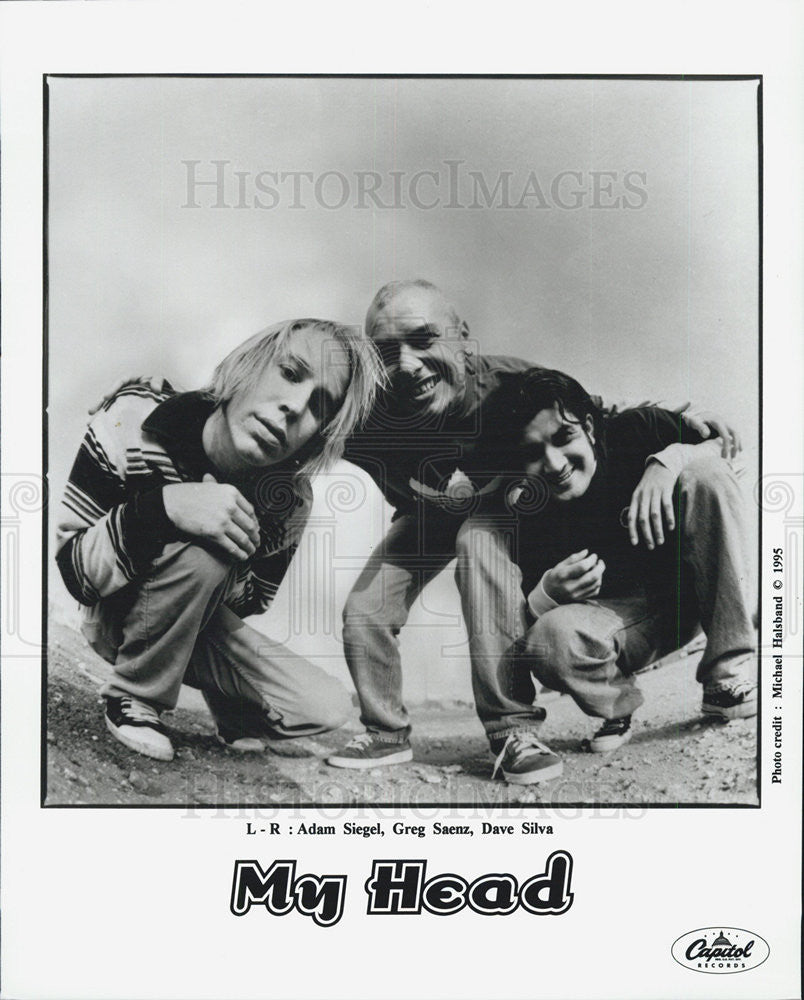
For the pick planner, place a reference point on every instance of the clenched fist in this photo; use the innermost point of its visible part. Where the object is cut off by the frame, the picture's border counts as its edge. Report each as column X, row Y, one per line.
column 215, row 513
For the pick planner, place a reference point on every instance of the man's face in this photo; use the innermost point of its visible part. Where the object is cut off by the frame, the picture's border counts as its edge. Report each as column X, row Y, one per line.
column 296, row 396
column 559, row 450
column 423, row 350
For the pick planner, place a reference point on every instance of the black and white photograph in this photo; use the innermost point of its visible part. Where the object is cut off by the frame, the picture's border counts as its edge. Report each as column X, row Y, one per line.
column 400, row 569
column 405, row 432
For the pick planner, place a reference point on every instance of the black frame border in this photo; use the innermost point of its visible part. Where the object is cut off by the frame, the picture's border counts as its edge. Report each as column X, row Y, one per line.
column 533, row 808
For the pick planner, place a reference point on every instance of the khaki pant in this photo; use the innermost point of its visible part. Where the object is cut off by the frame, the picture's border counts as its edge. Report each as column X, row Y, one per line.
column 173, row 627
column 591, row 649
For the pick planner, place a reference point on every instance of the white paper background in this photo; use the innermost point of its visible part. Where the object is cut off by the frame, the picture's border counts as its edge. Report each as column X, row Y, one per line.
column 135, row 903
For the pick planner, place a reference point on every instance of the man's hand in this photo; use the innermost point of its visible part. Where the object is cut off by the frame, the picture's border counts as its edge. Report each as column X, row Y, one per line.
column 651, row 511
column 576, row 578
column 710, row 425
column 154, row 382
column 214, row 513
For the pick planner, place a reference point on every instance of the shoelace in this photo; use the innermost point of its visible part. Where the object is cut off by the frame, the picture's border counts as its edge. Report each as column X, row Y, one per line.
column 139, row 711
column 518, row 742
column 615, row 726
column 736, row 688
column 359, row 742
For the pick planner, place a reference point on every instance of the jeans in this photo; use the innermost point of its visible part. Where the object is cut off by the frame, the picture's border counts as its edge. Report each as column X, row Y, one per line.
column 173, row 627
column 415, row 550
column 591, row 649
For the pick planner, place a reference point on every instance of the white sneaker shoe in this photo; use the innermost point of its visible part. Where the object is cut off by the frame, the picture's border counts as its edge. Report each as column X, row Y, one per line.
column 729, row 700
column 611, row 735
column 136, row 725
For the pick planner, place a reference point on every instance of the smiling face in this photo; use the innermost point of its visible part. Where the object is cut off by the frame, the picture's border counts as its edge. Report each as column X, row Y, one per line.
column 559, row 450
column 275, row 416
column 423, row 347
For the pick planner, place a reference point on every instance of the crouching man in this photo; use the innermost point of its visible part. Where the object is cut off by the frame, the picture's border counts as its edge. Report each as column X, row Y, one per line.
column 620, row 563
column 180, row 518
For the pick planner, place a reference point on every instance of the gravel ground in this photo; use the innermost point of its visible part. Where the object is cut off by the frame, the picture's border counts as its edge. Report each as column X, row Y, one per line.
column 674, row 758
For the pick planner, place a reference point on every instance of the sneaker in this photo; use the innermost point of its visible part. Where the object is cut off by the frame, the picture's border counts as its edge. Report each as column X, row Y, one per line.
column 137, row 726
column 524, row 760
column 238, row 742
column 238, row 724
column 611, row 735
column 730, row 700
column 367, row 750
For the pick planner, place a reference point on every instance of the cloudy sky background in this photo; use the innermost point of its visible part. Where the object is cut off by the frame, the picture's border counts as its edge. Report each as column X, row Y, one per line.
column 657, row 301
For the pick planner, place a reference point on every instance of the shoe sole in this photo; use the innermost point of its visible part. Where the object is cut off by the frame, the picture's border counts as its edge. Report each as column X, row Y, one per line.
column 147, row 751
column 745, row 711
column 534, row 777
column 364, row 764
column 606, row 744
column 246, row 744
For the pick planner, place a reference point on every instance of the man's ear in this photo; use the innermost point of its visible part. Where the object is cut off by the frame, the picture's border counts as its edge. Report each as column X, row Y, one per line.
column 589, row 427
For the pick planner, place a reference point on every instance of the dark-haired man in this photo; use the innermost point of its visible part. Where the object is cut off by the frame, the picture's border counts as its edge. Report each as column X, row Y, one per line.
column 601, row 605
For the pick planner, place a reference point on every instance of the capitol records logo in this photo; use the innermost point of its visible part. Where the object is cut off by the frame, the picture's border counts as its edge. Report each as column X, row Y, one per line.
column 720, row 950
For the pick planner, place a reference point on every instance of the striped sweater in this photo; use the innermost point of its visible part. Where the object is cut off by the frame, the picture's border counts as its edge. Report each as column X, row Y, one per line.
column 112, row 520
